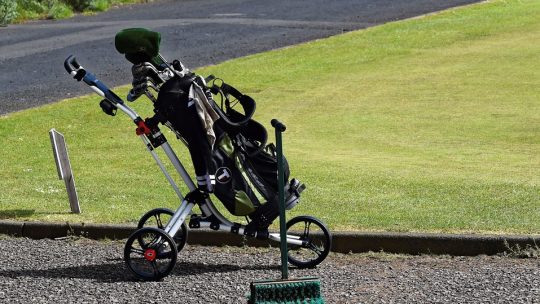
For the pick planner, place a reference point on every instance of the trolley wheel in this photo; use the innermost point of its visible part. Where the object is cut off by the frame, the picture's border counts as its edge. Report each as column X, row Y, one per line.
column 316, row 241
column 159, row 218
column 150, row 254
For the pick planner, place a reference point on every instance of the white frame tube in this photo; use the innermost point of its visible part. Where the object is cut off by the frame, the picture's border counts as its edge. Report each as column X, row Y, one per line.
column 162, row 167
column 291, row 239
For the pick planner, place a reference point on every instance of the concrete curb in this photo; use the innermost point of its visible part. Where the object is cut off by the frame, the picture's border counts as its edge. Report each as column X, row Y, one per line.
column 343, row 242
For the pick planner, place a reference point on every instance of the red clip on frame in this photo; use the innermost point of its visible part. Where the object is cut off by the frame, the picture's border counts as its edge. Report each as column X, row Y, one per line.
column 142, row 128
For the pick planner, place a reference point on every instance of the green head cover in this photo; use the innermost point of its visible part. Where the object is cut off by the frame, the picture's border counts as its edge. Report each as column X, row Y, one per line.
column 138, row 44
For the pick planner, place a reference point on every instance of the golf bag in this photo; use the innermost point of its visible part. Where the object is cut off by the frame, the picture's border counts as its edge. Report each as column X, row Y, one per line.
column 238, row 166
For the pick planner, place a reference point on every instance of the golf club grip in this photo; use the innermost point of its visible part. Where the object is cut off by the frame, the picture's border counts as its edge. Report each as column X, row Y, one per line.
column 278, row 125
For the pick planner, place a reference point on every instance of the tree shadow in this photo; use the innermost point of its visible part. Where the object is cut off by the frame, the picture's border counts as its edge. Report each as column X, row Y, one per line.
column 16, row 213
column 116, row 271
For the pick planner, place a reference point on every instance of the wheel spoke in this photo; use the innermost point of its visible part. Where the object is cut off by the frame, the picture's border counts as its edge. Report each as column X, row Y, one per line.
column 315, row 249
column 155, row 268
column 307, row 226
column 136, row 250
column 158, row 220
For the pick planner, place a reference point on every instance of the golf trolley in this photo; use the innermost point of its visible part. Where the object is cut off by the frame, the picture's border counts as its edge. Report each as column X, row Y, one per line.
column 151, row 251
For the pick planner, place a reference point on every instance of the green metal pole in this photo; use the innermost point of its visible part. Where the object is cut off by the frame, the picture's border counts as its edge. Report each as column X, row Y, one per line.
column 281, row 197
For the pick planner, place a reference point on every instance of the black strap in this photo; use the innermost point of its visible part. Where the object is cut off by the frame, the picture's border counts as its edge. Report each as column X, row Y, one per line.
column 231, row 117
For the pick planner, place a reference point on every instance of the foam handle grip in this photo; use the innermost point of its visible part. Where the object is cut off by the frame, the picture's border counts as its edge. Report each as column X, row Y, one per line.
column 71, row 64
column 278, row 125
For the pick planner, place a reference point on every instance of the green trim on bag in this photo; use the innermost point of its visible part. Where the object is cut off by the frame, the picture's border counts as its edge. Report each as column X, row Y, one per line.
column 258, row 195
column 226, row 146
column 242, row 204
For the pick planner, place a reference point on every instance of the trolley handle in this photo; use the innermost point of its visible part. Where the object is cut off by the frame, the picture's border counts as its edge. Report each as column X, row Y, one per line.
column 71, row 64
column 73, row 67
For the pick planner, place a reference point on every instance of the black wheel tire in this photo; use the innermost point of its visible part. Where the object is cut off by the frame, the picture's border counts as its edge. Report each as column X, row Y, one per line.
column 160, row 222
column 150, row 254
column 318, row 245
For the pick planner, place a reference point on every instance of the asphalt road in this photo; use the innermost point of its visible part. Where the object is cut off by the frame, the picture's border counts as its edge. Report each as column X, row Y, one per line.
column 198, row 32
column 85, row 271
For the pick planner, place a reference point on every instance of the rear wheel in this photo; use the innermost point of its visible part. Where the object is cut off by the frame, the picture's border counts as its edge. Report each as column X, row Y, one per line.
column 159, row 218
column 315, row 238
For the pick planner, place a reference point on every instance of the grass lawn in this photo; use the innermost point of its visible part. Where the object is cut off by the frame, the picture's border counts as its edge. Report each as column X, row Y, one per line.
column 428, row 124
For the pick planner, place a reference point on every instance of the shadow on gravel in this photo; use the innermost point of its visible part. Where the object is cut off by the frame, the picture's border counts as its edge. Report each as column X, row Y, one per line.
column 117, row 271
column 109, row 272
column 188, row 268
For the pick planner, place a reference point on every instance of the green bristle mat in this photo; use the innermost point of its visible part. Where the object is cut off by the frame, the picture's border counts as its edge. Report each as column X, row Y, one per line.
column 305, row 290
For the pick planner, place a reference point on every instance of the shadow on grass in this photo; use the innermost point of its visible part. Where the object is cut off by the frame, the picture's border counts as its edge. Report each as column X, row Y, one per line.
column 16, row 213
column 26, row 213
column 111, row 272
column 53, row 212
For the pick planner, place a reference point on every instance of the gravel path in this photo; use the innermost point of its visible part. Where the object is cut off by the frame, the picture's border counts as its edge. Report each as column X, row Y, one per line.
column 86, row 271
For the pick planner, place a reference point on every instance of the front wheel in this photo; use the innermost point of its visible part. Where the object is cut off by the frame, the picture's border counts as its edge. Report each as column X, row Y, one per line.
column 309, row 241
column 150, row 254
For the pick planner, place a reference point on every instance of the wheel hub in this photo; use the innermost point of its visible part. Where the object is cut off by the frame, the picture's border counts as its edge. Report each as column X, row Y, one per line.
column 150, row 254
